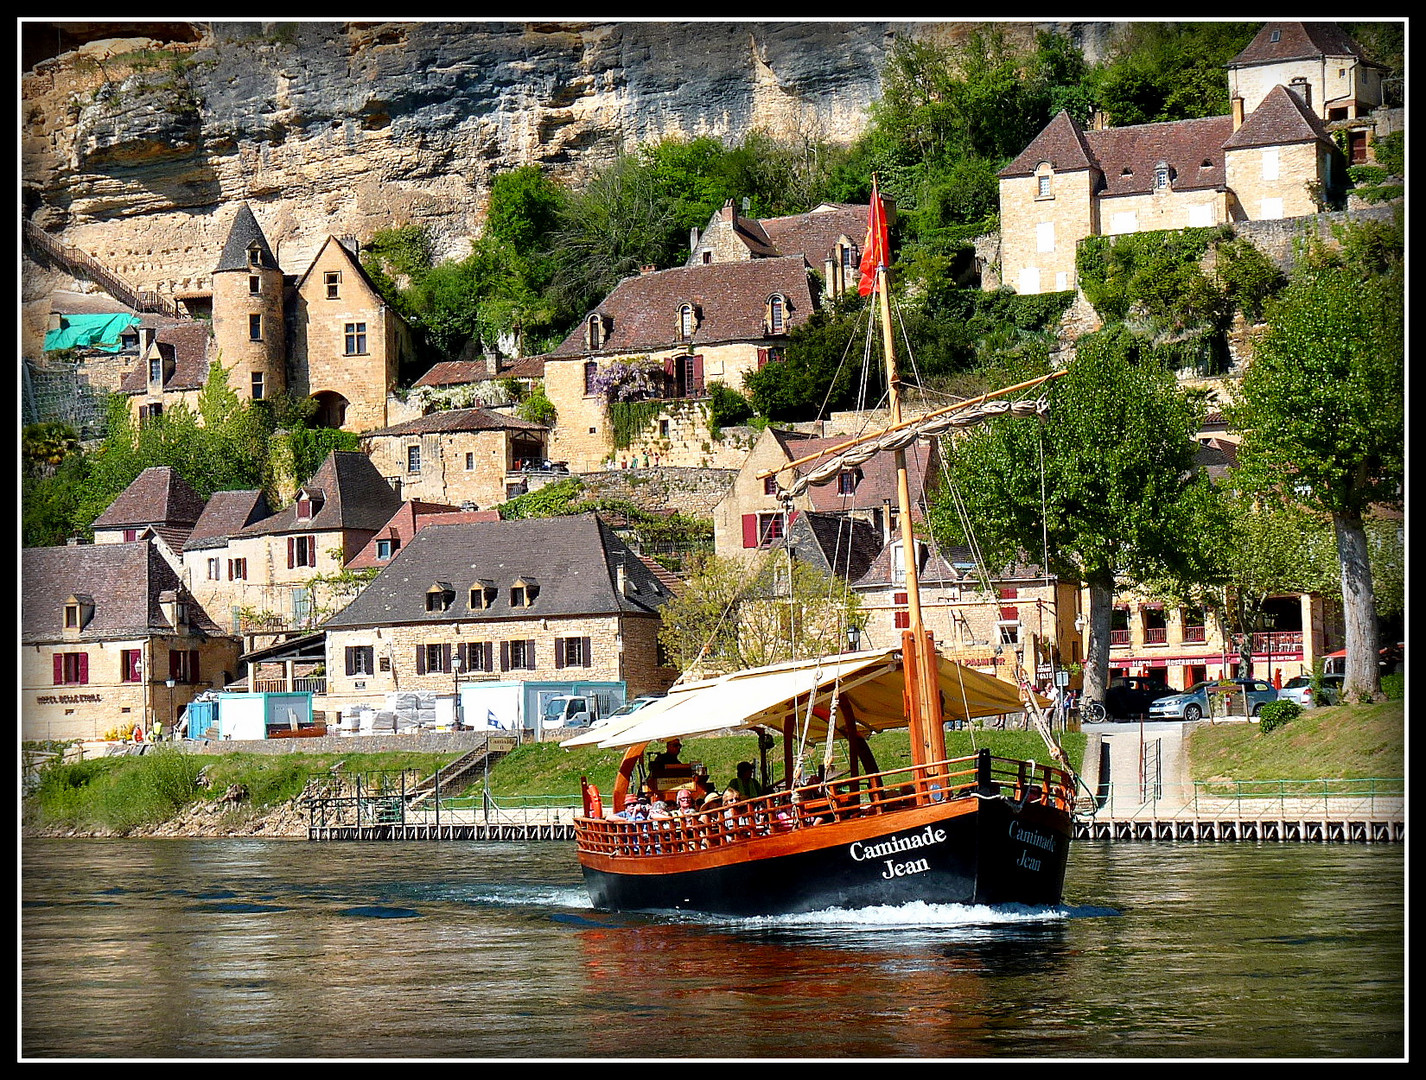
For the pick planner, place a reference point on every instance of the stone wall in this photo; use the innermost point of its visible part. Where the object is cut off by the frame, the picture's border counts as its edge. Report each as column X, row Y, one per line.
column 692, row 492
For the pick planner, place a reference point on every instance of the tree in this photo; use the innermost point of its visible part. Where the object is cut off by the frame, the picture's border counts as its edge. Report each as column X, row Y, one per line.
column 1322, row 412
column 732, row 616
column 1112, row 468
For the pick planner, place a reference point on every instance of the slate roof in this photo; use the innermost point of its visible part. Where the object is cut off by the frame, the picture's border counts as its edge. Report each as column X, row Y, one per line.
column 452, row 420
column 243, row 232
column 574, row 559
column 226, row 514
column 834, row 543
column 125, row 581
column 1298, row 41
column 644, row 309
column 1282, row 119
column 355, row 497
column 160, row 498
column 184, row 348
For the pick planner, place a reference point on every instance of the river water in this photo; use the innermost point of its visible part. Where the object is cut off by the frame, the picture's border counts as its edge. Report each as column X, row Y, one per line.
column 173, row 949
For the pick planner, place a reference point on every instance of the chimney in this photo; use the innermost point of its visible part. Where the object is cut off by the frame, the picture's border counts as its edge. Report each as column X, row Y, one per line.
column 693, row 238
column 647, row 269
column 1303, row 90
column 1237, row 113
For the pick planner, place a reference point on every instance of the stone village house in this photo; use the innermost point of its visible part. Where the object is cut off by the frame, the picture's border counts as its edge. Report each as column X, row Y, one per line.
column 527, row 600
column 1274, row 157
column 325, row 334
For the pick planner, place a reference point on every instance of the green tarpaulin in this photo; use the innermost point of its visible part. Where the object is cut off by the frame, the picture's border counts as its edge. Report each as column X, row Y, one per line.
column 89, row 331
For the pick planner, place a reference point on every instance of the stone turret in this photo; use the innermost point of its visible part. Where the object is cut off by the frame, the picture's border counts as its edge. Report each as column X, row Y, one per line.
column 248, row 326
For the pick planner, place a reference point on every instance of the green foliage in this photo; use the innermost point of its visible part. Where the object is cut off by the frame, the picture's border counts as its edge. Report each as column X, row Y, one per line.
column 1390, row 151
column 819, row 370
column 1249, row 278
column 1277, row 713
column 1153, row 275
column 552, row 500
column 727, row 407
column 537, row 407
column 114, row 794
column 1169, row 71
column 630, row 419
column 1327, row 382
column 525, row 207
column 311, row 446
column 44, row 447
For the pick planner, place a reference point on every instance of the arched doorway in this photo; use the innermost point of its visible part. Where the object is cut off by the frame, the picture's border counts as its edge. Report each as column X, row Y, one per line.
column 331, row 409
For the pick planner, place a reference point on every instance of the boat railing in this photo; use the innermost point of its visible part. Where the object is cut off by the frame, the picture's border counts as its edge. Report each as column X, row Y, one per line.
column 847, row 799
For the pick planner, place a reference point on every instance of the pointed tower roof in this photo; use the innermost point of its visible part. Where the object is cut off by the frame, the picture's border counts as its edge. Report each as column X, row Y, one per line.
column 1061, row 143
column 1281, row 119
column 244, row 233
column 1278, row 42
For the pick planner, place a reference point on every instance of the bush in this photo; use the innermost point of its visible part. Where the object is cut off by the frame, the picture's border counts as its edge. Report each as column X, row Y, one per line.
column 1277, row 713
column 1393, row 687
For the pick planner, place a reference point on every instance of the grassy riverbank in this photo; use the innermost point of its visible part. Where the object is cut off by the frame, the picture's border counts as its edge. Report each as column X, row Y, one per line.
column 171, row 793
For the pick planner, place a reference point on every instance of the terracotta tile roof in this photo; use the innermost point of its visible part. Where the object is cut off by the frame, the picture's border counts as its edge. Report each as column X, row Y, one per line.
column 574, row 559
column 812, row 235
column 450, row 420
column 185, row 350
column 355, row 497
column 124, row 580
column 157, row 496
column 226, row 514
column 1061, row 143
column 644, row 309
column 463, row 372
column 411, row 518
column 1281, row 119
column 1297, row 41
column 1193, row 150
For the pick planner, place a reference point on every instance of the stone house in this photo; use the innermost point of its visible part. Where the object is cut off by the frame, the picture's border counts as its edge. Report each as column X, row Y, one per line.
column 215, row 577
column 828, row 237
column 325, row 334
column 751, row 516
column 111, row 639
column 1272, row 158
column 543, row 599
column 277, row 558
column 688, row 327
column 459, row 456
column 159, row 501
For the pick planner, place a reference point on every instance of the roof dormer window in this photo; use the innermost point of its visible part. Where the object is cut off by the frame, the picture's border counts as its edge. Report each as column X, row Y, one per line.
column 440, row 596
column 255, row 255
column 1044, row 181
column 596, row 331
column 776, row 314
column 78, row 610
column 524, row 592
column 308, row 503
column 1275, row 36
column 1161, row 175
column 483, row 594
column 688, row 320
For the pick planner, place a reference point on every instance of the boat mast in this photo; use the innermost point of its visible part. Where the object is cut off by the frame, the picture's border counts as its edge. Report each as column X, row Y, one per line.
column 921, row 696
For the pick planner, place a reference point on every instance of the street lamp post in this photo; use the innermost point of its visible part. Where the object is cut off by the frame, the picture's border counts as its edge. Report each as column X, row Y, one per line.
column 455, row 702
column 170, row 684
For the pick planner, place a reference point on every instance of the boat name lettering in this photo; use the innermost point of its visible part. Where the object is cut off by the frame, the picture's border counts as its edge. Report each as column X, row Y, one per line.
column 1031, row 836
column 926, row 837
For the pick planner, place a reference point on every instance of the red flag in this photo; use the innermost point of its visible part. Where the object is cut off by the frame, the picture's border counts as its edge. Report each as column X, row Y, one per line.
column 874, row 251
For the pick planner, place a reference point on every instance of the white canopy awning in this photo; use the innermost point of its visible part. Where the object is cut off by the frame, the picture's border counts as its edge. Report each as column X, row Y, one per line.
column 869, row 685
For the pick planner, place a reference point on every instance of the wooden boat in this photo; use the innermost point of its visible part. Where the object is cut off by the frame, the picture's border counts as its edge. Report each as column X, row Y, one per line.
column 978, row 830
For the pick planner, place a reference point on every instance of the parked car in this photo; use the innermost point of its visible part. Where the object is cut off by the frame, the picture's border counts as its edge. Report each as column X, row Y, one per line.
column 1130, row 696
column 1192, row 704
column 1299, row 689
column 632, row 707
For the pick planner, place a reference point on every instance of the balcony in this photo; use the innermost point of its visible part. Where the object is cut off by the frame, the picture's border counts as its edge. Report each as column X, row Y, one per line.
column 308, row 684
column 1118, row 638
column 1156, row 635
column 1195, row 634
column 1286, row 642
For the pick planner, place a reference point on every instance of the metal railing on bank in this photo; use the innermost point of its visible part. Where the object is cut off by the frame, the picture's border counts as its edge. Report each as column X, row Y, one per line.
column 1372, row 797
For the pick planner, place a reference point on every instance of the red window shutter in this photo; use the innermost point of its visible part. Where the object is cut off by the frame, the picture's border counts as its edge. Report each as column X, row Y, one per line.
column 1009, row 614
column 903, row 620
column 291, row 552
column 446, row 656
column 750, row 530
column 489, row 656
column 762, row 359
column 585, row 653
column 696, row 364
column 559, row 652
column 59, row 669
column 83, row 668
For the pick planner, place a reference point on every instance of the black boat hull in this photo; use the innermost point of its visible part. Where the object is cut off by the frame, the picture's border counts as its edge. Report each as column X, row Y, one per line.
column 993, row 851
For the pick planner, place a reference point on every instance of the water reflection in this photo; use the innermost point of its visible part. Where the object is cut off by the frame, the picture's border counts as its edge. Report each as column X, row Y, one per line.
column 262, row 948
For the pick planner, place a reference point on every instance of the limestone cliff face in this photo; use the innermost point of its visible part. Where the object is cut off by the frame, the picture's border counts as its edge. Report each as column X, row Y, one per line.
column 136, row 148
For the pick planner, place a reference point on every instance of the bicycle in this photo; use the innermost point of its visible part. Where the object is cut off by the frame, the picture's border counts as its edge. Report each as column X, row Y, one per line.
column 1093, row 712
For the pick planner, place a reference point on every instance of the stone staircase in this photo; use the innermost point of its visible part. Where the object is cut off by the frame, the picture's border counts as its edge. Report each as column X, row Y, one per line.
column 455, row 776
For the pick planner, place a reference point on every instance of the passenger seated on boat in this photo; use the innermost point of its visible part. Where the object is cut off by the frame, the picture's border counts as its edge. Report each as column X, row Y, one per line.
column 684, row 802
column 636, row 807
column 745, row 784
column 659, row 809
